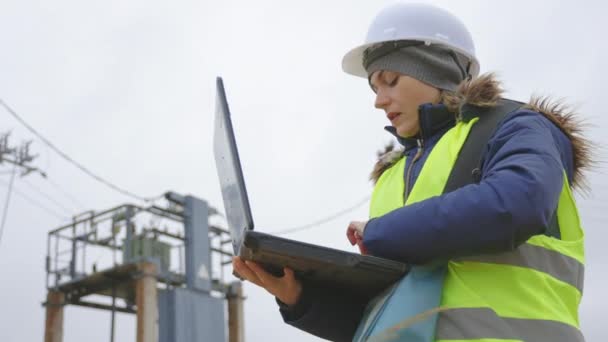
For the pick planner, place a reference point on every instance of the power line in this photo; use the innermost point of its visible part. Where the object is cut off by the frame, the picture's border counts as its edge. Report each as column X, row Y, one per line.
column 69, row 159
column 73, row 199
column 8, row 198
column 48, row 197
column 323, row 220
column 36, row 203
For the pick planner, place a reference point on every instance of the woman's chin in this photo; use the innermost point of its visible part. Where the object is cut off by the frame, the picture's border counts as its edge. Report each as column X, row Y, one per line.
column 405, row 133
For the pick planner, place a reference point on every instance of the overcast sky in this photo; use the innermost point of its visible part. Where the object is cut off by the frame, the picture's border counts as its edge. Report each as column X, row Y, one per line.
column 127, row 89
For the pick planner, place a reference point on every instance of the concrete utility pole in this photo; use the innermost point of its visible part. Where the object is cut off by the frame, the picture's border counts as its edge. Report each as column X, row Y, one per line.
column 236, row 321
column 53, row 331
column 146, row 299
column 19, row 157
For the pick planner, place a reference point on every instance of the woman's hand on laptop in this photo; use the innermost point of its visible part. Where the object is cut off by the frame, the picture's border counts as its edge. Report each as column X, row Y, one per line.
column 286, row 288
column 354, row 234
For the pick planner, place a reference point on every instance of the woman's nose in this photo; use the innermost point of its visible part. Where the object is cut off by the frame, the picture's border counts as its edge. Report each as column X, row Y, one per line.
column 382, row 100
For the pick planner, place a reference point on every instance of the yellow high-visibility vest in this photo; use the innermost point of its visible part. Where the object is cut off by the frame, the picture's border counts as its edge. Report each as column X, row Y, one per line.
column 523, row 295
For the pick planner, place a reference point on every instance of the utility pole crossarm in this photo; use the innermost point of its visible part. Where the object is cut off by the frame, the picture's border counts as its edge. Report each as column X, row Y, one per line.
column 20, row 157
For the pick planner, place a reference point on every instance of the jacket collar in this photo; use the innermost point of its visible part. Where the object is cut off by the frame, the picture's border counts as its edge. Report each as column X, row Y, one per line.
column 485, row 91
column 433, row 118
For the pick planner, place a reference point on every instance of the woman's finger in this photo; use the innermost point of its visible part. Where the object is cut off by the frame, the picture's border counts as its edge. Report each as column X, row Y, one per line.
column 246, row 272
column 362, row 248
column 350, row 234
column 358, row 226
column 269, row 281
column 289, row 275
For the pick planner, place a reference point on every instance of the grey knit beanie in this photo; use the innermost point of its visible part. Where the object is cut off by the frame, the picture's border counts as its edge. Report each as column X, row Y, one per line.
column 431, row 64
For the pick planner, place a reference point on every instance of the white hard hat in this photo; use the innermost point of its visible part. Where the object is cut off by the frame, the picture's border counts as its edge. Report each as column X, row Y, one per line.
column 414, row 22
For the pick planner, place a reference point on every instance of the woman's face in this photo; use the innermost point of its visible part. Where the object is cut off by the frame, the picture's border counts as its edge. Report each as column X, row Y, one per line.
column 400, row 96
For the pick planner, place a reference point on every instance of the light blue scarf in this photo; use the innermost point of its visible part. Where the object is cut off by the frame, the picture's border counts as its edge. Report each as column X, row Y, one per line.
column 408, row 310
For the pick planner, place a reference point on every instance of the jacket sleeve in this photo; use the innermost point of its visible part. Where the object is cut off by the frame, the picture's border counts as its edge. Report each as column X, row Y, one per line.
column 520, row 185
column 327, row 313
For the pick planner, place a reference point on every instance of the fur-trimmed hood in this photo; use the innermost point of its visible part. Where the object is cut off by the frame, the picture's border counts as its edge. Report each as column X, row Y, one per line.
column 486, row 91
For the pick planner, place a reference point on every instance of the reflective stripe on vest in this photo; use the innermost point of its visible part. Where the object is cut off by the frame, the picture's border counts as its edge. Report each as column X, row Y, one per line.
column 479, row 323
column 512, row 296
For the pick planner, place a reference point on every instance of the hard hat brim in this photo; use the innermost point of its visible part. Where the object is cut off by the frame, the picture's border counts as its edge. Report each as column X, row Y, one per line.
column 352, row 62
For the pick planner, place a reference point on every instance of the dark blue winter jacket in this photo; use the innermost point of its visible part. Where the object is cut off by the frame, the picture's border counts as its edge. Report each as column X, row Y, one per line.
column 517, row 195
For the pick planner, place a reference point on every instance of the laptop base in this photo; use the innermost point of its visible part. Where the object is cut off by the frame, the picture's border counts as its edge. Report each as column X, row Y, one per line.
column 364, row 275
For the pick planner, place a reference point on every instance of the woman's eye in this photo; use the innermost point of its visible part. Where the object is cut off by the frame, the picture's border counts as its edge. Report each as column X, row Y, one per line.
column 394, row 81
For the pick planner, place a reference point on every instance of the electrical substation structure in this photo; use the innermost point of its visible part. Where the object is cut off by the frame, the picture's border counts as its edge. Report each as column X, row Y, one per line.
column 124, row 260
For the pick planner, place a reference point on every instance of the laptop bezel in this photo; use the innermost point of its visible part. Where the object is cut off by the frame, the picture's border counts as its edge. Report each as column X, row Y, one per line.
column 222, row 102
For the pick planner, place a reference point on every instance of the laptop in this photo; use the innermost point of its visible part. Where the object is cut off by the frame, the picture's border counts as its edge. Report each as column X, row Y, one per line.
column 364, row 275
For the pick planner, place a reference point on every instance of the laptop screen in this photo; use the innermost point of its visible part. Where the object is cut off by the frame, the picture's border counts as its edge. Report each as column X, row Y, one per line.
column 230, row 174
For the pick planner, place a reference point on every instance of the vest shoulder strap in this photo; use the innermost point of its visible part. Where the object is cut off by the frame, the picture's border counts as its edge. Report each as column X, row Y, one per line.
column 466, row 168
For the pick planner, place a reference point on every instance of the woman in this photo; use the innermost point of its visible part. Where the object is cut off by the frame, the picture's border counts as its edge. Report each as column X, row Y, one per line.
column 498, row 259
